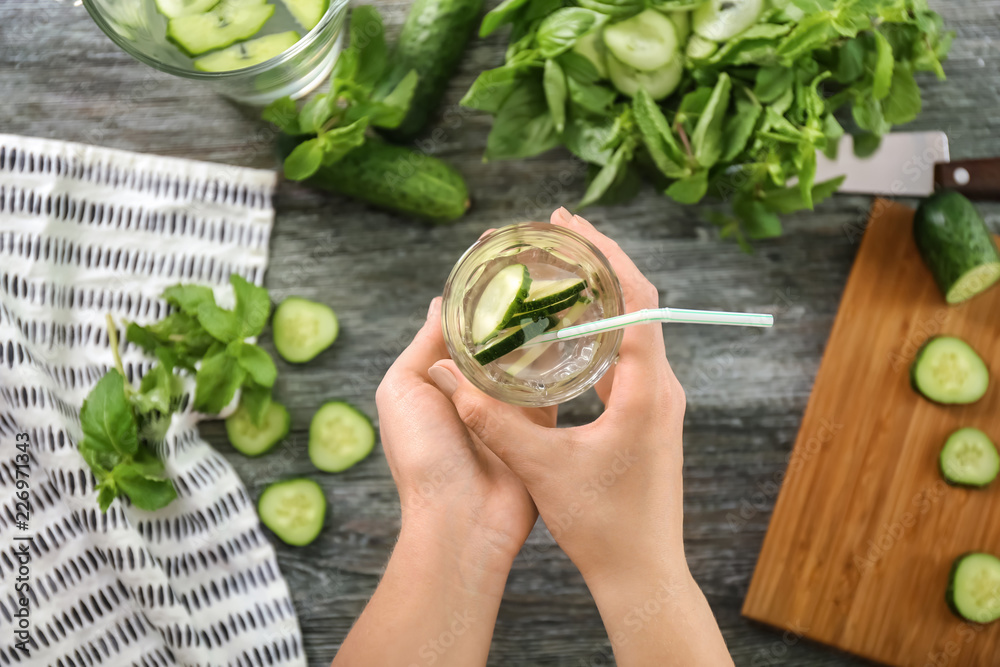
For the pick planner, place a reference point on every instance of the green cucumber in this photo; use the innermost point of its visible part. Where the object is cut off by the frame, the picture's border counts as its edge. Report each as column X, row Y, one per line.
column 974, row 587
column 526, row 316
column 431, row 42
column 502, row 297
column 721, row 20
column 547, row 292
column 511, row 339
column 216, row 29
column 294, row 510
column 699, row 48
column 645, row 42
column 303, row 329
column 247, row 54
column 175, row 8
column 658, row 84
column 340, row 435
column 396, row 178
column 947, row 370
column 682, row 23
column 307, row 12
column 253, row 440
column 591, row 46
column 956, row 246
column 969, row 458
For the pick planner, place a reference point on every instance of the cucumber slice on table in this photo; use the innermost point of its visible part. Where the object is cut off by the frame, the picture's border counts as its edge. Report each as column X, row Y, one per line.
column 307, row 12
column 501, row 298
column 513, row 339
column 174, row 8
column 720, row 20
column 293, row 510
column 246, row 54
column 253, row 440
column 974, row 587
column 339, row 436
column 956, row 246
column 218, row 28
column 969, row 458
column 948, row 370
column 659, row 83
column 646, row 42
column 303, row 329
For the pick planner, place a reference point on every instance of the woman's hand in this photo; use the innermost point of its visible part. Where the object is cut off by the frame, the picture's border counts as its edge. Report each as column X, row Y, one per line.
column 610, row 492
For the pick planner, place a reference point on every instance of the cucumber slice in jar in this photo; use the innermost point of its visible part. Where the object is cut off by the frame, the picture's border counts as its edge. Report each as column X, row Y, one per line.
column 339, row 436
column 294, row 510
column 307, row 12
column 947, row 370
column 247, row 54
column 252, row 440
column 974, row 587
column 216, row 29
column 303, row 329
column 513, row 339
column 591, row 46
column 658, row 84
column 501, row 298
column 645, row 42
column 720, row 20
column 174, row 8
column 969, row 458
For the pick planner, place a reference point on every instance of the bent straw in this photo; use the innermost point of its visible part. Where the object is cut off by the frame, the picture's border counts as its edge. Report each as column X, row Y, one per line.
column 682, row 315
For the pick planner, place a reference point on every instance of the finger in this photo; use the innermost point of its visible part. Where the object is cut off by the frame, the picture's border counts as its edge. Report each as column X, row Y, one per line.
column 603, row 386
column 526, row 447
column 487, row 233
column 542, row 416
column 428, row 345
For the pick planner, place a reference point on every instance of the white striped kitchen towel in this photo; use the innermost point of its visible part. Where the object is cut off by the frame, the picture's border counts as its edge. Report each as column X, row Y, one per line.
column 86, row 231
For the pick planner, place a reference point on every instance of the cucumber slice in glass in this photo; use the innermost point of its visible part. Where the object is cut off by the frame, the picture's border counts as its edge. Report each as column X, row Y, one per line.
column 218, row 28
column 501, row 298
column 948, row 370
column 303, row 329
column 252, row 440
column 645, row 42
column 969, row 458
column 547, row 292
column 293, row 510
column 720, row 20
column 526, row 316
column 339, row 436
column 591, row 46
column 658, row 84
column 513, row 339
column 974, row 587
column 246, row 54
column 307, row 12
column 174, row 8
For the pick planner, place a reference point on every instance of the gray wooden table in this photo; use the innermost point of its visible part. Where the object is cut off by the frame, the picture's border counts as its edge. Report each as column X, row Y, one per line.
column 61, row 78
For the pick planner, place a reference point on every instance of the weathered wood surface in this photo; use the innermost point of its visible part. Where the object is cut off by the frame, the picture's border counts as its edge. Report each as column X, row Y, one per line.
column 61, row 78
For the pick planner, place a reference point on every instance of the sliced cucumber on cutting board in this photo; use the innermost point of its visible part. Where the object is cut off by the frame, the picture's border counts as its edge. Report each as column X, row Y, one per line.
column 294, row 510
column 974, row 587
column 948, row 370
column 247, row 54
column 969, row 458
column 216, row 29
column 307, row 12
column 175, row 8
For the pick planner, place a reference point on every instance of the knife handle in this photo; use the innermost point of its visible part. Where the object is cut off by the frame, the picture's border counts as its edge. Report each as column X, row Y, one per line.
column 976, row 179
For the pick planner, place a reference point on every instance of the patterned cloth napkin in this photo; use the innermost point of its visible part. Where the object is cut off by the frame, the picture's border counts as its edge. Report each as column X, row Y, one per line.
column 87, row 231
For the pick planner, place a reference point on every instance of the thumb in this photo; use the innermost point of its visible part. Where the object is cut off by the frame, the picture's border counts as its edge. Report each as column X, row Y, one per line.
column 503, row 428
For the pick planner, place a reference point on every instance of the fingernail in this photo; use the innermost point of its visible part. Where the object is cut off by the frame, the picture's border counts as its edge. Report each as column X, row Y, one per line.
column 564, row 215
column 487, row 233
column 580, row 221
column 444, row 379
column 434, row 308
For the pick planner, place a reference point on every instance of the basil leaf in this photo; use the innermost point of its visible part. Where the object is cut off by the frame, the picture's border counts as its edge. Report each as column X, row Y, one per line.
column 689, row 190
column 867, row 113
column 216, row 383
column 653, row 129
column 145, row 492
column 255, row 400
column 491, row 88
column 606, row 176
column 315, row 113
column 253, row 306
column 304, row 160
column 884, row 65
column 106, row 417
column 579, row 68
column 340, row 141
column 789, row 199
column 368, row 38
column 706, row 142
column 501, row 14
column 739, row 126
column 850, row 61
column 188, row 297
column 392, row 109
column 758, row 222
column 587, row 138
column 866, row 144
column 559, row 30
column 772, row 82
column 594, row 98
column 903, row 103
column 554, row 85
column 806, row 164
column 179, row 332
column 220, row 323
column 284, row 113
column 106, row 492
column 523, row 126
column 255, row 361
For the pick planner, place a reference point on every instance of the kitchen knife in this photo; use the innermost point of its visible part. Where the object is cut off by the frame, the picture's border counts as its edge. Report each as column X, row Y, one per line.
column 910, row 164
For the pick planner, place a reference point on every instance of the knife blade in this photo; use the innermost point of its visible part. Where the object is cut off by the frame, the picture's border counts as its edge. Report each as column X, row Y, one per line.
column 910, row 164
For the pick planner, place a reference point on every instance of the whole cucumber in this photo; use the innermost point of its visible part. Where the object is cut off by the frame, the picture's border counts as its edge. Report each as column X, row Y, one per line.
column 399, row 179
column 431, row 42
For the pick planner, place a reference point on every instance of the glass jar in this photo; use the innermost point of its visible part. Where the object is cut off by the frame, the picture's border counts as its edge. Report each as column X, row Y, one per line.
column 547, row 373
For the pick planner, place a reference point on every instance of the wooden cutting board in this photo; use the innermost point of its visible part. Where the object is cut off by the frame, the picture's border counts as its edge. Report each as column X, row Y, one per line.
column 864, row 531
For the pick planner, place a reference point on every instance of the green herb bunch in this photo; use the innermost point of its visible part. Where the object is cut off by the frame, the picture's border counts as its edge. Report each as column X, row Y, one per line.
column 747, row 116
column 339, row 119
column 122, row 424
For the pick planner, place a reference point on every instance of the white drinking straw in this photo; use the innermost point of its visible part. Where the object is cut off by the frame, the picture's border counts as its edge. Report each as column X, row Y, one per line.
column 648, row 315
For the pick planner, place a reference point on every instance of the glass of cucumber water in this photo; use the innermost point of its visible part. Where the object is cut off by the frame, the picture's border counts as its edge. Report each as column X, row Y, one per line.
column 253, row 51
column 515, row 284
